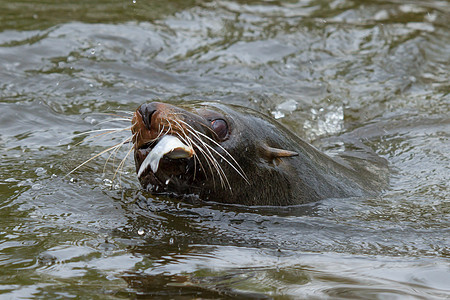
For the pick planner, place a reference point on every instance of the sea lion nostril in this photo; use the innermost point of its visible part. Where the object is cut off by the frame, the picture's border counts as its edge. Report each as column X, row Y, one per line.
column 146, row 111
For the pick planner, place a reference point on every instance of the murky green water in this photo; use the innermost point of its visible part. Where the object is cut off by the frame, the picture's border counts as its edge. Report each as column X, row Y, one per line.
column 337, row 72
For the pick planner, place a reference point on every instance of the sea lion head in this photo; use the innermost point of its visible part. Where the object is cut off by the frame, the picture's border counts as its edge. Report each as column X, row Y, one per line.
column 213, row 151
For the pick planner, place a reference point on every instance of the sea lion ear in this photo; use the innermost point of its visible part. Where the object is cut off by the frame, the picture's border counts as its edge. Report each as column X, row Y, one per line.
column 271, row 153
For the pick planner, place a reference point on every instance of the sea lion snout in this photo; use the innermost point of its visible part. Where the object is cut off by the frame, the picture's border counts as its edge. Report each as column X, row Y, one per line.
column 147, row 111
column 146, row 122
column 150, row 113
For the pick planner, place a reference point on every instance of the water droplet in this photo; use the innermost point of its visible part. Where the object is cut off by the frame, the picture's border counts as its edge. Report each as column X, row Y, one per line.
column 171, row 241
column 40, row 171
column 141, row 231
column 37, row 187
column 278, row 114
column 111, row 277
column 93, row 51
column 167, row 181
column 289, row 105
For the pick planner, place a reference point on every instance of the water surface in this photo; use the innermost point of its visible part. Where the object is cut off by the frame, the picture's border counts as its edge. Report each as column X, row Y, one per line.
column 343, row 74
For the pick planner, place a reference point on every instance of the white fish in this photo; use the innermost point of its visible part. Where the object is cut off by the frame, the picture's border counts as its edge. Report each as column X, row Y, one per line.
column 169, row 146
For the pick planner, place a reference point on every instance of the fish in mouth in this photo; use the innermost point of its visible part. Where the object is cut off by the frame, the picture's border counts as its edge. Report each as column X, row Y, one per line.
column 232, row 154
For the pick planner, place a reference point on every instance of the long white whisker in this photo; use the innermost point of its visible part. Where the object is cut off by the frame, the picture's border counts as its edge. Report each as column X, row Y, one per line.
column 95, row 156
column 110, row 130
column 186, row 139
column 240, row 171
column 217, row 166
column 208, row 158
column 97, row 135
column 189, row 141
column 113, row 120
column 114, row 114
column 209, row 161
column 115, row 151
column 161, row 132
column 126, row 112
column 122, row 164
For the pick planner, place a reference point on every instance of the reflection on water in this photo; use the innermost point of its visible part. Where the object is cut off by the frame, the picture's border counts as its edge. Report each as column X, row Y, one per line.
column 346, row 75
column 269, row 272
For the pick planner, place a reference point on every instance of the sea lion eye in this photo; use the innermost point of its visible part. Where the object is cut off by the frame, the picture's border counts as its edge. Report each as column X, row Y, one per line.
column 220, row 127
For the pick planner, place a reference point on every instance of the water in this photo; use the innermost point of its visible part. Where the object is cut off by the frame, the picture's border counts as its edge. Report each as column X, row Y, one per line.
column 336, row 72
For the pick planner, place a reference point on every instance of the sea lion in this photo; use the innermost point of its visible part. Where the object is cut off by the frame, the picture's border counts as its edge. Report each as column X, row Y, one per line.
column 231, row 154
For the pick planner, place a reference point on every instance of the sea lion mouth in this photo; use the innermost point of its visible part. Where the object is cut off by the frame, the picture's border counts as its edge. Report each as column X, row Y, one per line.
column 164, row 165
column 168, row 146
column 165, row 155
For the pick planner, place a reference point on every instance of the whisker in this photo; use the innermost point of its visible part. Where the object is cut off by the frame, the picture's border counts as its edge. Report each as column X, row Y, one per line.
column 96, row 130
column 188, row 141
column 209, row 160
column 114, row 115
column 121, row 165
column 113, row 120
column 97, row 135
column 95, row 156
column 161, row 132
column 240, row 172
column 126, row 112
column 216, row 165
column 115, row 151
column 227, row 153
